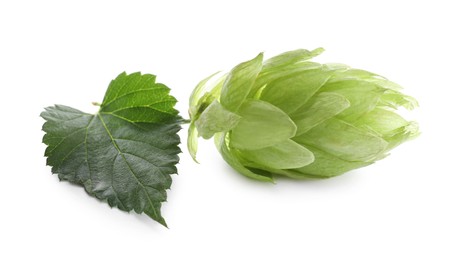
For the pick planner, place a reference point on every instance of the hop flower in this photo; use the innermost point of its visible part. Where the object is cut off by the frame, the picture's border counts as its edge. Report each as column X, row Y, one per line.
column 291, row 116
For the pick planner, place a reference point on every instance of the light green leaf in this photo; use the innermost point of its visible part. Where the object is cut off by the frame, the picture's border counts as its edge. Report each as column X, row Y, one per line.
column 343, row 140
column 320, row 108
column 268, row 76
column 381, row 121
column 401, row 134
column 285, row 155
column 285, row 172
column 199, row 103
column 395, row 99
column 232, row 157
column 113, row 156
column 338, row 67
column 204, row 102
column 239, row 82
column 292, row 91
column 357, row 74
column 385, row 83
column 261, row 125
column 326, row 165
column 362, row 95
column 192, row 141
column 389, row 125
column 138, row 98
column 215, row 119
column 199, row 90
column 290, row 57
column 345, row 73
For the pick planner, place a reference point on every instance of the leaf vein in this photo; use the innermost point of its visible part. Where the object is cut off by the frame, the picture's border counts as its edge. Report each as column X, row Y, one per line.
column 145, row 106
column 64, row 138
column 112, row 184
column 128, row 93
column 127, row 163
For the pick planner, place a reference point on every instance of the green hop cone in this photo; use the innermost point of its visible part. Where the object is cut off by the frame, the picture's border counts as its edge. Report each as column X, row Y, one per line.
column 291, row 116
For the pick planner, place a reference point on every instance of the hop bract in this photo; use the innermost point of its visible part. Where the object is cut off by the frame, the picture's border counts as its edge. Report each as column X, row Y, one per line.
column 291, row 116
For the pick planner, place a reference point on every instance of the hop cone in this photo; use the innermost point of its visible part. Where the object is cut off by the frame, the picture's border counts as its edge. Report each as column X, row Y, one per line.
column 291, row 116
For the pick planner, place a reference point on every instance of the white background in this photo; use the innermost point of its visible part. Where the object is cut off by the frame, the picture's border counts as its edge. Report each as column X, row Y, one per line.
column 408, row 206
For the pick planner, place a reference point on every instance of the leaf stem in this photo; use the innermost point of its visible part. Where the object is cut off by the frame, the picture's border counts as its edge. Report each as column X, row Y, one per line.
column 185, row 121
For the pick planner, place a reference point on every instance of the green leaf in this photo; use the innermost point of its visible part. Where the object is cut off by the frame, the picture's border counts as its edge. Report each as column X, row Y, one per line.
column 198, row 105
column 357, row 74
column 320, row 108
column 401, row 134
column 327, row 165
column 283, row 65
column 381, row 121
column 290, row 57
column 239, row 82
column 394, row 99
column 268, row 76
column 192, row 141
column 199, row 90
column 344, row 72
column 124, row 158
column 200, row 99
column 137, row 98
column 262, row 125
column 232, row 157
column 285, row 155
column 344, row 141
column 291, row 92
column 389, row 125
column 363, row 96
column 215, row 119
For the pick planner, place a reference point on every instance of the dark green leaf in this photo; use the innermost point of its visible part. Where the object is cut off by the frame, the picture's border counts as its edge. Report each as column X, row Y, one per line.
column 126, row 152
